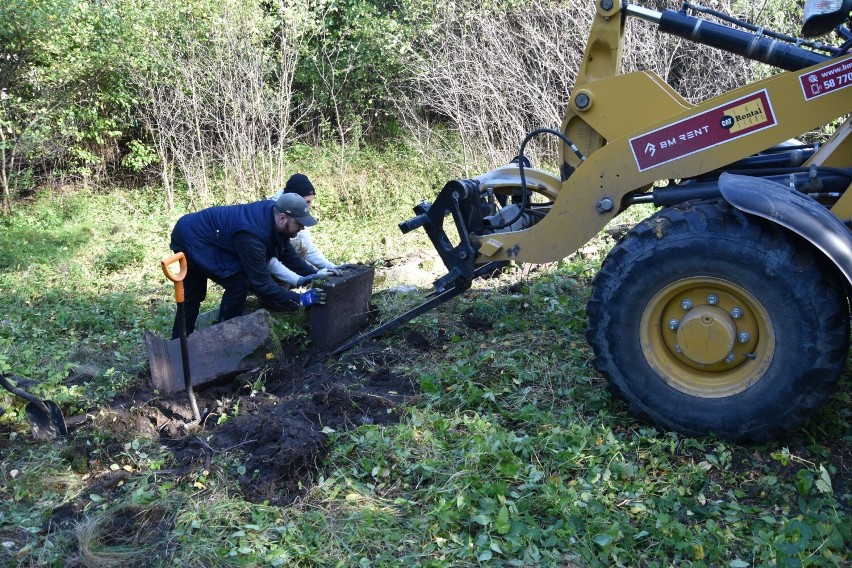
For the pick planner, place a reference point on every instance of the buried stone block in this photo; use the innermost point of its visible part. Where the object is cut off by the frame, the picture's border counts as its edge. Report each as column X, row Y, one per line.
column 216, row 353
column 346, row 309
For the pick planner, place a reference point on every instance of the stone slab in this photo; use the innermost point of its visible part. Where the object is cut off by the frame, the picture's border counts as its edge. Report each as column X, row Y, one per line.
column 346, row 310
column 216, row 353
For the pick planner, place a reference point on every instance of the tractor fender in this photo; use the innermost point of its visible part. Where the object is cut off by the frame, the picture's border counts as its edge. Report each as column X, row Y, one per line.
column 793, row 210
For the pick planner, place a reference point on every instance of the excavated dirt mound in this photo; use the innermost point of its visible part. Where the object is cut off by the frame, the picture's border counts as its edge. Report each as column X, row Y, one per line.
column 282, row 433
column 274, row 423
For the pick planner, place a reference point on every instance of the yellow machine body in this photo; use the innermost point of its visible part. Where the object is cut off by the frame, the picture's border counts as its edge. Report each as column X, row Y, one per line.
column 620, row 109
column 726, row 310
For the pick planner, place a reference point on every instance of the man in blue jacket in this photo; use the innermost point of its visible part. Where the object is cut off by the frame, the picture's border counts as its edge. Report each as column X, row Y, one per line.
column 232, row 244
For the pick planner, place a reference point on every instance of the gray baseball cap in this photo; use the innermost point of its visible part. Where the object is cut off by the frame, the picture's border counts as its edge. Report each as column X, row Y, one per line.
column 295, row 206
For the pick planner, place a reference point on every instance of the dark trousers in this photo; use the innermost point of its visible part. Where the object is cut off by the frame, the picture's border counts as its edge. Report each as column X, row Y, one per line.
column 195, row 291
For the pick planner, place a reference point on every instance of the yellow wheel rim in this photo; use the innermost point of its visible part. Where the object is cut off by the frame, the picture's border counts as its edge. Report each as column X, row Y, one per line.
column 707, row 337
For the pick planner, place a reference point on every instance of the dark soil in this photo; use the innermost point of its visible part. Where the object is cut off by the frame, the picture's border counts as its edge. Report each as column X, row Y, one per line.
column 134, row 526
column 282, row 432
column 274, row 422
column 475, row 322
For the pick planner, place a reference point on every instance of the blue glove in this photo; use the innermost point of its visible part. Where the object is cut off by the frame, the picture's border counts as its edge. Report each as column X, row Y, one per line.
column 307, row 279
column 312, row 297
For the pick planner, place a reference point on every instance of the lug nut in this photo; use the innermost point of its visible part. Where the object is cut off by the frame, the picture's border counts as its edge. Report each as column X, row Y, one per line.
column 712, row 299
column 678, row 349
column 686, row 304
column 737, row 313
column 730, row 358
column 674, row 324
column 744, row 337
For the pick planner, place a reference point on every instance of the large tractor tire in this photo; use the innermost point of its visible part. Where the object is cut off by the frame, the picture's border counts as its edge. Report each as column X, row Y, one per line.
column 709, row 321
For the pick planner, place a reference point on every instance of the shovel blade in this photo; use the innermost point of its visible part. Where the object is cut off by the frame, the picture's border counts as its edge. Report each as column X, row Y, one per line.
column 41, row 423
column 56, row 417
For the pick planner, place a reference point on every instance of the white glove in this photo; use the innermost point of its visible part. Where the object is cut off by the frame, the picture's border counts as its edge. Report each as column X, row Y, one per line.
column 326, row 272
column 307, row 279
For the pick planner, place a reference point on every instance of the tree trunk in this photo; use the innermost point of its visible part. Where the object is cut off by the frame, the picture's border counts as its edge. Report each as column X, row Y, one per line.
column 4, row 175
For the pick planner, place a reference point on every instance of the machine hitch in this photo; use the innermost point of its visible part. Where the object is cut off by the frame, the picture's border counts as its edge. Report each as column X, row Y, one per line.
column 461, row 199
column 473, row 211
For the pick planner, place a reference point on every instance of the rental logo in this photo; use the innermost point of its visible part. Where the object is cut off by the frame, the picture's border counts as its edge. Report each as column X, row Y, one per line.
column 718, row 125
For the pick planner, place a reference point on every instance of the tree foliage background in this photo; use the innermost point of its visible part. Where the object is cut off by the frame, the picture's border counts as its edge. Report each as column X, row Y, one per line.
column 209, row 96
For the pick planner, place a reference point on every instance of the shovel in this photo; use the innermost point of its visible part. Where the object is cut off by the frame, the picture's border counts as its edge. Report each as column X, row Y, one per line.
column 180, row 258
column 45, row 417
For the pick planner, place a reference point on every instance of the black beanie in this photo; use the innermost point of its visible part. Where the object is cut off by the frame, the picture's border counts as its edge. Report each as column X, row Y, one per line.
column 300, row 184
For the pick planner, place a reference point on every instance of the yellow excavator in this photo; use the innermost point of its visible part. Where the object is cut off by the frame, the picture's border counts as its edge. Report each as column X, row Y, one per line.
column 727, row 310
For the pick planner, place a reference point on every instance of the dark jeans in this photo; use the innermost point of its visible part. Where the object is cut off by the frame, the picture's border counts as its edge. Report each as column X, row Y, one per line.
column 195, row 291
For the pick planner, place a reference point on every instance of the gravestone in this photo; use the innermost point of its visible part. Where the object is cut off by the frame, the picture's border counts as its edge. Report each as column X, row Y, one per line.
column 346, row 310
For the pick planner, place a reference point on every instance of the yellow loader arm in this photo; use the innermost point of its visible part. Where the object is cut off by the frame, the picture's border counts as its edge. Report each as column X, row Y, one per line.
column 634, row 130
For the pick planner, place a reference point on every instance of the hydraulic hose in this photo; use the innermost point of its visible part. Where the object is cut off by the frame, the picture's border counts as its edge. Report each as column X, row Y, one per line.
column 751, row 45
column 521, row 159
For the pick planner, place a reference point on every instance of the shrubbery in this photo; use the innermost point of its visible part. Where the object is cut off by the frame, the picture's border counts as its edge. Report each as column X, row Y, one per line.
column 210, row 96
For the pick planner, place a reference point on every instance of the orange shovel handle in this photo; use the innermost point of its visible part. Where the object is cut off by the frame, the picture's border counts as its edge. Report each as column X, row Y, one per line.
column 180, row 258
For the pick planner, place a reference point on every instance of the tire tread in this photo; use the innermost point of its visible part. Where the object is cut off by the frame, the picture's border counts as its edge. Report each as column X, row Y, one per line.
column 717, row 219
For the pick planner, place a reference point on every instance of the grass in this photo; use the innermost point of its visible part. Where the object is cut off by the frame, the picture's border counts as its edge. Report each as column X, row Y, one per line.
column 535, row 463
column 513, row 454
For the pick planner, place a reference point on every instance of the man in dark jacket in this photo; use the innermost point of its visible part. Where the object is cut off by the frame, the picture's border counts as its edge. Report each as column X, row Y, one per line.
column 231, row 245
